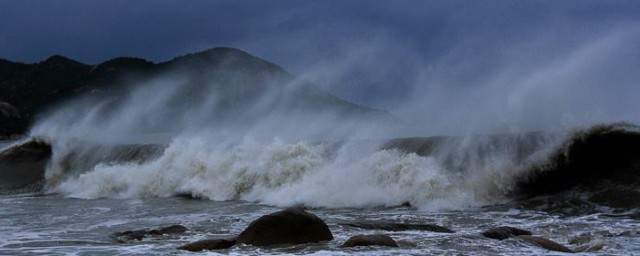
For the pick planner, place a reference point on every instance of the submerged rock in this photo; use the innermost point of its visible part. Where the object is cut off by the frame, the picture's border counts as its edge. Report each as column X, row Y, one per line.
column 131, row 235
column 370, row 240
column 504, row 232
column 580, row 239
column 390, row 226
column 586, row 243
column 544, row 243
column 173, row 229
column 209, row 244
column 591, row 247
column 289, row 226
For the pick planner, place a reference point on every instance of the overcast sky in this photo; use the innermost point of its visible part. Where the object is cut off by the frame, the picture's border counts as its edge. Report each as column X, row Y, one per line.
column 378, row 53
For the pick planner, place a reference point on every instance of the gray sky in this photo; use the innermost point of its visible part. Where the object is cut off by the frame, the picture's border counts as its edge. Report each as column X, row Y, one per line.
column 379, row 53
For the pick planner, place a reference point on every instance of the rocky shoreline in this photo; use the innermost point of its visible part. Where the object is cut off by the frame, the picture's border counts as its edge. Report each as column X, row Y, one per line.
column 297, row 226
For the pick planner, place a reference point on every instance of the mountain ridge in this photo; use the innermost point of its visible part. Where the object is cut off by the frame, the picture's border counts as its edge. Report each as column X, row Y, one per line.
column 37, row 87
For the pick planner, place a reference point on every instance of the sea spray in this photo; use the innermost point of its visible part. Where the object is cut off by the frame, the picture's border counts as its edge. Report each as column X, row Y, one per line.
column 277, row 173
column 216, row 128
column 194, row 167
column 353, row 174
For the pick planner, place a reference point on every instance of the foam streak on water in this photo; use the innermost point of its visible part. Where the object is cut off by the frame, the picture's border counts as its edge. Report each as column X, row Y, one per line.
column 52, row 225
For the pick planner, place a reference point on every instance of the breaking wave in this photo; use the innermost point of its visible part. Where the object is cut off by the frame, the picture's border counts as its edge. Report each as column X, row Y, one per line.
column 430, row 173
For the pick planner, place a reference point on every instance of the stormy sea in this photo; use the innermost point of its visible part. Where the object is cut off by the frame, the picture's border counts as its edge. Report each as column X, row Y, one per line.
column 200, row 147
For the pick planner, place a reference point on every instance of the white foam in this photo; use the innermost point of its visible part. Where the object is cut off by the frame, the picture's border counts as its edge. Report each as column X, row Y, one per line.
column 283, row 174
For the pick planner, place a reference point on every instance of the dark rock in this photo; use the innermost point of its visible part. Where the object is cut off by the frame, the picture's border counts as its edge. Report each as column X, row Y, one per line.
column 544, row 243
column 389, row 226
column 173, row 229
column 581, row 239
column 592, row 158
column 504, row 232
column 370, row 240
column 618, row 197
column 24, row 164
column 289, row 226
column 591, row 247
column 627, row 233
column 130, row 235
column 8, row 111
column 10, row 119
column 586, row 243
column 209, row 244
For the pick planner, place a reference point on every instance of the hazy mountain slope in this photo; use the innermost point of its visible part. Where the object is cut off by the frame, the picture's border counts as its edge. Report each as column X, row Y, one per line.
column 238, row 78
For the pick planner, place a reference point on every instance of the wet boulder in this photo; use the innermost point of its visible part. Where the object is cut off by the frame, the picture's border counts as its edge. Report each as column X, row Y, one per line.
column 370, row 240
column 544, row 243
column 391, row 226
column 208, row 244
column 289, row 226
column 504, row 232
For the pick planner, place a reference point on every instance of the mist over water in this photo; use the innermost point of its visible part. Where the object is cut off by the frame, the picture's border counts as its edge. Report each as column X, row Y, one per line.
column 482, row 67
column 273, row 155
column 231, row 136
column 531, row 89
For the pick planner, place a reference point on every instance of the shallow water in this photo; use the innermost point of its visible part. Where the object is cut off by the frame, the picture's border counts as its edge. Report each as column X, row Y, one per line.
column 54, row 225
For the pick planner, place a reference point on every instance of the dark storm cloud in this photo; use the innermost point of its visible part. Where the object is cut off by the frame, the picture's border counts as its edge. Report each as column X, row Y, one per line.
column 370, row 52
column 93, row 31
